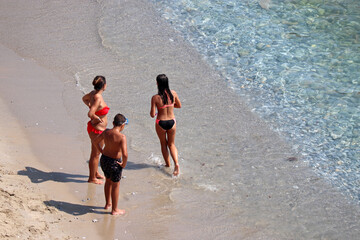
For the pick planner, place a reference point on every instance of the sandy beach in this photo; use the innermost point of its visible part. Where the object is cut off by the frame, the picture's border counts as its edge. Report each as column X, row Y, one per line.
column 23, row 214
column 240, row 179
column 28, row 187
column 52, row 199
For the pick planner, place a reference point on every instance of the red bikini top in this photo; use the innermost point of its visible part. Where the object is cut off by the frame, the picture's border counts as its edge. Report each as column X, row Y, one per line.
column 103, row 111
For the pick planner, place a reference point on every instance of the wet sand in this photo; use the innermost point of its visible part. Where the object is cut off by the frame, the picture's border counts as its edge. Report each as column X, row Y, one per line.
column 46, row 152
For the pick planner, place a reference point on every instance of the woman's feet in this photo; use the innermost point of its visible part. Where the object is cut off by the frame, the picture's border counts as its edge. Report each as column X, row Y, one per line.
column 176, row 170
column 95, row 181
column 99, row 176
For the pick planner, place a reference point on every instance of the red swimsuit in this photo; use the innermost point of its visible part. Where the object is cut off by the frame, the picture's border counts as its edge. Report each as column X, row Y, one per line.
column 90, row 127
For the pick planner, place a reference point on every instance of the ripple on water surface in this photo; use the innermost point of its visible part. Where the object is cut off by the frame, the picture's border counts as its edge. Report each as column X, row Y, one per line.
column 298, row 65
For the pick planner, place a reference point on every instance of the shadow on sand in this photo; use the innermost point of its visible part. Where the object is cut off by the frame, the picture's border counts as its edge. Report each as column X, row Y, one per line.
column 38, row 176
column 138, row 166
column 75, row 209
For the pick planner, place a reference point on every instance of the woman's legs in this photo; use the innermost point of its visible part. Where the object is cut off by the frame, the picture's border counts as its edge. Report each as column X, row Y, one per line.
column 94, row 162
column 167, row 139
column 173, row 150
column 163, row 142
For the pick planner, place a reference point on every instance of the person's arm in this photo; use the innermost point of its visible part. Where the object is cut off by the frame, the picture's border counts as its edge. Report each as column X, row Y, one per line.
column 86, row 99
column 93, row 108
column 177, row 100
column 153, row 107
column 124, row 152
column 97, row 141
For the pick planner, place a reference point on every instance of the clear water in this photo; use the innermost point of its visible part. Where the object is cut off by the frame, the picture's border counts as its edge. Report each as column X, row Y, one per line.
column 297, row 64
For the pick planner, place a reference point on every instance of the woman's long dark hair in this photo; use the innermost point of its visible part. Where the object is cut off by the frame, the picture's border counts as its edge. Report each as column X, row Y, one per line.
column 163, row 88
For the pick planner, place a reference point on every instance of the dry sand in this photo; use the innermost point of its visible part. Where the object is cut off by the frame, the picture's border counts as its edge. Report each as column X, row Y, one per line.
column 23, row 213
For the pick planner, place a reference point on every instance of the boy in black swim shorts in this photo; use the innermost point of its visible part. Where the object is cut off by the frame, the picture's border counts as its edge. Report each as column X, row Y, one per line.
column 113, row 160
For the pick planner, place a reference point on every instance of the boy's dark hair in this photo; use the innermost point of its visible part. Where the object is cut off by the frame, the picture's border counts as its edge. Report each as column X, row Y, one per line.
column 119, row 120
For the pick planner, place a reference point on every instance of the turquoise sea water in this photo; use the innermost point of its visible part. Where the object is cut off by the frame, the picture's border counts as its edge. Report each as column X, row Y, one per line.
column 296, row 63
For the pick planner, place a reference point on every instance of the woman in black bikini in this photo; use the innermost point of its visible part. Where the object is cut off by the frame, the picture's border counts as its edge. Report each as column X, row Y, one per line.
column 165, row 102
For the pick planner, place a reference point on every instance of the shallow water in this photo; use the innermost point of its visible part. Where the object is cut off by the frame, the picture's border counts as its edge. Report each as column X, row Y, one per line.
column 296, row 63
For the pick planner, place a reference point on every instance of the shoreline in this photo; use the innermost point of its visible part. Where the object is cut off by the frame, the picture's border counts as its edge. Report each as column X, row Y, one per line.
column 275, row 198
column 79, row 207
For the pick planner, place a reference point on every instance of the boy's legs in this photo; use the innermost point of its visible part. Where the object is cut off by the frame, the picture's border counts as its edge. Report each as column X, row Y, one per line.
column 115, row 188
column 107, row 191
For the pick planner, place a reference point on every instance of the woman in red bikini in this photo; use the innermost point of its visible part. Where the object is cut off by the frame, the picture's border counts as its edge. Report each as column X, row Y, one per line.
column 165, row 102
column 96, row 125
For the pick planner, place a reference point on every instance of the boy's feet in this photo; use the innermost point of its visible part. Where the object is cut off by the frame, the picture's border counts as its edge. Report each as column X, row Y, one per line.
column 118, row 212
column 107, row 206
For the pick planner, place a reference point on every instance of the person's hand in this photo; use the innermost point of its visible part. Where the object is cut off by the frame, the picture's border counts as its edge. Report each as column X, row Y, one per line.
column 121, row 164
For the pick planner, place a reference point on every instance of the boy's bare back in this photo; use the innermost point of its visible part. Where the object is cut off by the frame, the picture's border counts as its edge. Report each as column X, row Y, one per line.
column 115, row 143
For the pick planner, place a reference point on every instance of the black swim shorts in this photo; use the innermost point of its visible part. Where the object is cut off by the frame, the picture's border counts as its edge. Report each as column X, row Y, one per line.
column 111, row 168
